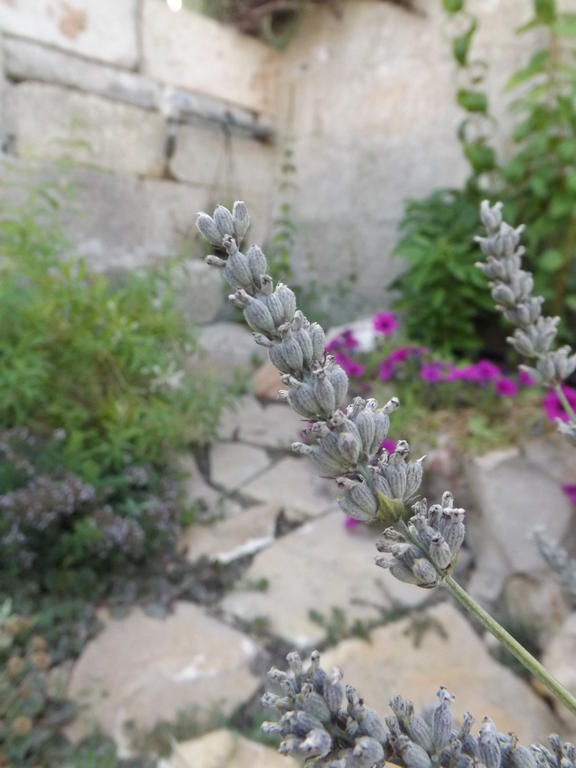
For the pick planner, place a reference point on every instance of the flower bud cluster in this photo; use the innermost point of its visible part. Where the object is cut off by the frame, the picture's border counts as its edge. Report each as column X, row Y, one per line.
column 344, row 442
column 430, row 547
column 512, row 288
column 328, row 724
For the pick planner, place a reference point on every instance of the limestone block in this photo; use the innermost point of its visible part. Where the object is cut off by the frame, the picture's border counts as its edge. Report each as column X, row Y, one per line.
column 229, row 347
column 177, row 47
column 103, row 30
column 223, row 748
column 272, row 426
column 234, row 464
column 320, row 566
column 144, row 670
column 86, row 129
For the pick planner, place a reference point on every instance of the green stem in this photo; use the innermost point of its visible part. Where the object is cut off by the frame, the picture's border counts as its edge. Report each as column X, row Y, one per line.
column 505, row 638
column 565, row 403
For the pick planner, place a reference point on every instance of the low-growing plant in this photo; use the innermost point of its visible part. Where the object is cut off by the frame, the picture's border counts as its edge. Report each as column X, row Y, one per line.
column 319, row 719
column 102, row 364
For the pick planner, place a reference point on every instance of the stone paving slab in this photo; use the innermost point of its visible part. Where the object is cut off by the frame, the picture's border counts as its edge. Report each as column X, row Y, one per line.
column 320, row 566
column 144, row 670
column 224, row 749
column 450, row 653
column 271, row 426
column 244, row 534
column 293, row 484
column 234, row 464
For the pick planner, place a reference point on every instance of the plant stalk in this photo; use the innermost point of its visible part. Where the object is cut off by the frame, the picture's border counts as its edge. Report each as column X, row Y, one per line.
column 570, row 412
column 516, row 649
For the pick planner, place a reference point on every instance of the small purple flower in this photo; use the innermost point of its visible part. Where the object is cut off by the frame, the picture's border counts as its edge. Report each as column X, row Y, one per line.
column 487, row 371
column 386, row 370
column 524, row 379
column 385, row 323
column 505, row 387
column 353, row 369
column 570, row 491
column 434, row 372
column 388, row 445
column 344, row 340
column 553, row 405
column 351, row 523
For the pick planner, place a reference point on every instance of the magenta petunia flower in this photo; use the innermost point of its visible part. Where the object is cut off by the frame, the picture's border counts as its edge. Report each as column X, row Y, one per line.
column 487, row 371
column 435, row 371
column 570, row 491
column 351, row 523
column 553, row 405
column 344, row 340
column 506, row 387
column 354, row 369
column 524, row 379
column 386, row 370
column 385, row 323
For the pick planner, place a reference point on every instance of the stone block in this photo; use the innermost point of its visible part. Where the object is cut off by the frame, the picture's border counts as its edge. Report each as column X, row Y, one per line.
column 176, row 48
column 85, row 129
column 145, row 670
column 234, row 464
column 272, row 426
column 199, row 291
column 451, row 654
column 105, row 30
column 224, row 541
column 229, row 348
column 222, row 748
column 27, row 60
column 320, row 566
column 559, row 661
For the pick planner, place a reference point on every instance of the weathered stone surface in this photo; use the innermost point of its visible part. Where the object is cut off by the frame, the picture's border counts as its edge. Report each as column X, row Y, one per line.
column 229, row 347
column 450, row 653
column 244, row 534
column 512, row 496
column 553, row 456
column 559, row 661
column 144, row 670
column 234, row 464
column 105, row 30
column 199, row 291
column 27, row 60
column 272, row 426
column 535, row 603
column 320, row 566
column 223, row 749
column 294, row 484
column 266, row 382
column 177, row 46
column 195, row 491
column 86, row 129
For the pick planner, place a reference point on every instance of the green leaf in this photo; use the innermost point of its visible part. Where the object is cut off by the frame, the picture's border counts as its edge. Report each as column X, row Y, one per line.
column 390, row 511
column 461, row 44
column 472, row 101
column 545, row 11
column 537, row 65
column 453, row 6
column 571, row 182
column 481, row 157
column 570, row 302
column 565, row 25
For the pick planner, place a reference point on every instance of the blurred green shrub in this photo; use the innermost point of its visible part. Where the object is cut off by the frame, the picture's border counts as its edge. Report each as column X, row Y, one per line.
column 102, row 365
column 440, row 291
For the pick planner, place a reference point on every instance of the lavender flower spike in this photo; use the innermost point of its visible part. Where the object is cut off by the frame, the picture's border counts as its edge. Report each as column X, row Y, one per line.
column 343, row 440
column 330, row 726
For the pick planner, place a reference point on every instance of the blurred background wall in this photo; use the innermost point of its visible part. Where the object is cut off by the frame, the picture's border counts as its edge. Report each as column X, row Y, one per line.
column 162, row 114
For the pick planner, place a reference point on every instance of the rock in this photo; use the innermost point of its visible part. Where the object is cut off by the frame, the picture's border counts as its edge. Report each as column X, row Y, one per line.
column 223, row 749
column 273, row 426
column 244, row 534
column 229, row 347
column 105, row 31
column 234, row 464
column 195, row 491
column 144, row 670
column 559, row 661
column 553, row 456
column 85, row 129
column 266, row 382
column 28, row 61
column 199, row 291
column 318, row 567
column 294, row 484
column 177, row 46
column 449, row 653
column 535, row 604
column 512, row 496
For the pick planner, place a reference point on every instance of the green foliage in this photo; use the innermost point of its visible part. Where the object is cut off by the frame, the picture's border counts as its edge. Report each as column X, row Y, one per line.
column 442, row 293
column 102, row 364
column 536, row 184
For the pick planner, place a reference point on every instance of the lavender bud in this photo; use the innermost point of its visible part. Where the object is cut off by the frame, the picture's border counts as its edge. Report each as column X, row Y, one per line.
column 316, row 744
column 334, row 690
column 207, row 227
column 215, row 261
column 241, row 221
column 318, row 341
column 258, row 317
column 425, row 573
column 324, row 394
column 442, row 720
column 440, row 552
column 413, row 756
column 257, row 263
column 237, row 272
column 224, row 221
column 488, row 745
column 288, row 299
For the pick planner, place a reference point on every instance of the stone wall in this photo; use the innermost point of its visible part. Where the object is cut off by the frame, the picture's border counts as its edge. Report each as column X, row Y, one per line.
column 164, row 113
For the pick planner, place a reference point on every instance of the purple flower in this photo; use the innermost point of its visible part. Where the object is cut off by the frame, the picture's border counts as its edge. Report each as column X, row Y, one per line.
column 553, row 405
column 570, row 491
column 487, row 371
column 344, row 340
column 524, row 379
column 353, row 369
column 386, row 370
column 351, row 523
column 506, row 387
column 385, row 323
column 388, row 445
column 435, row 371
